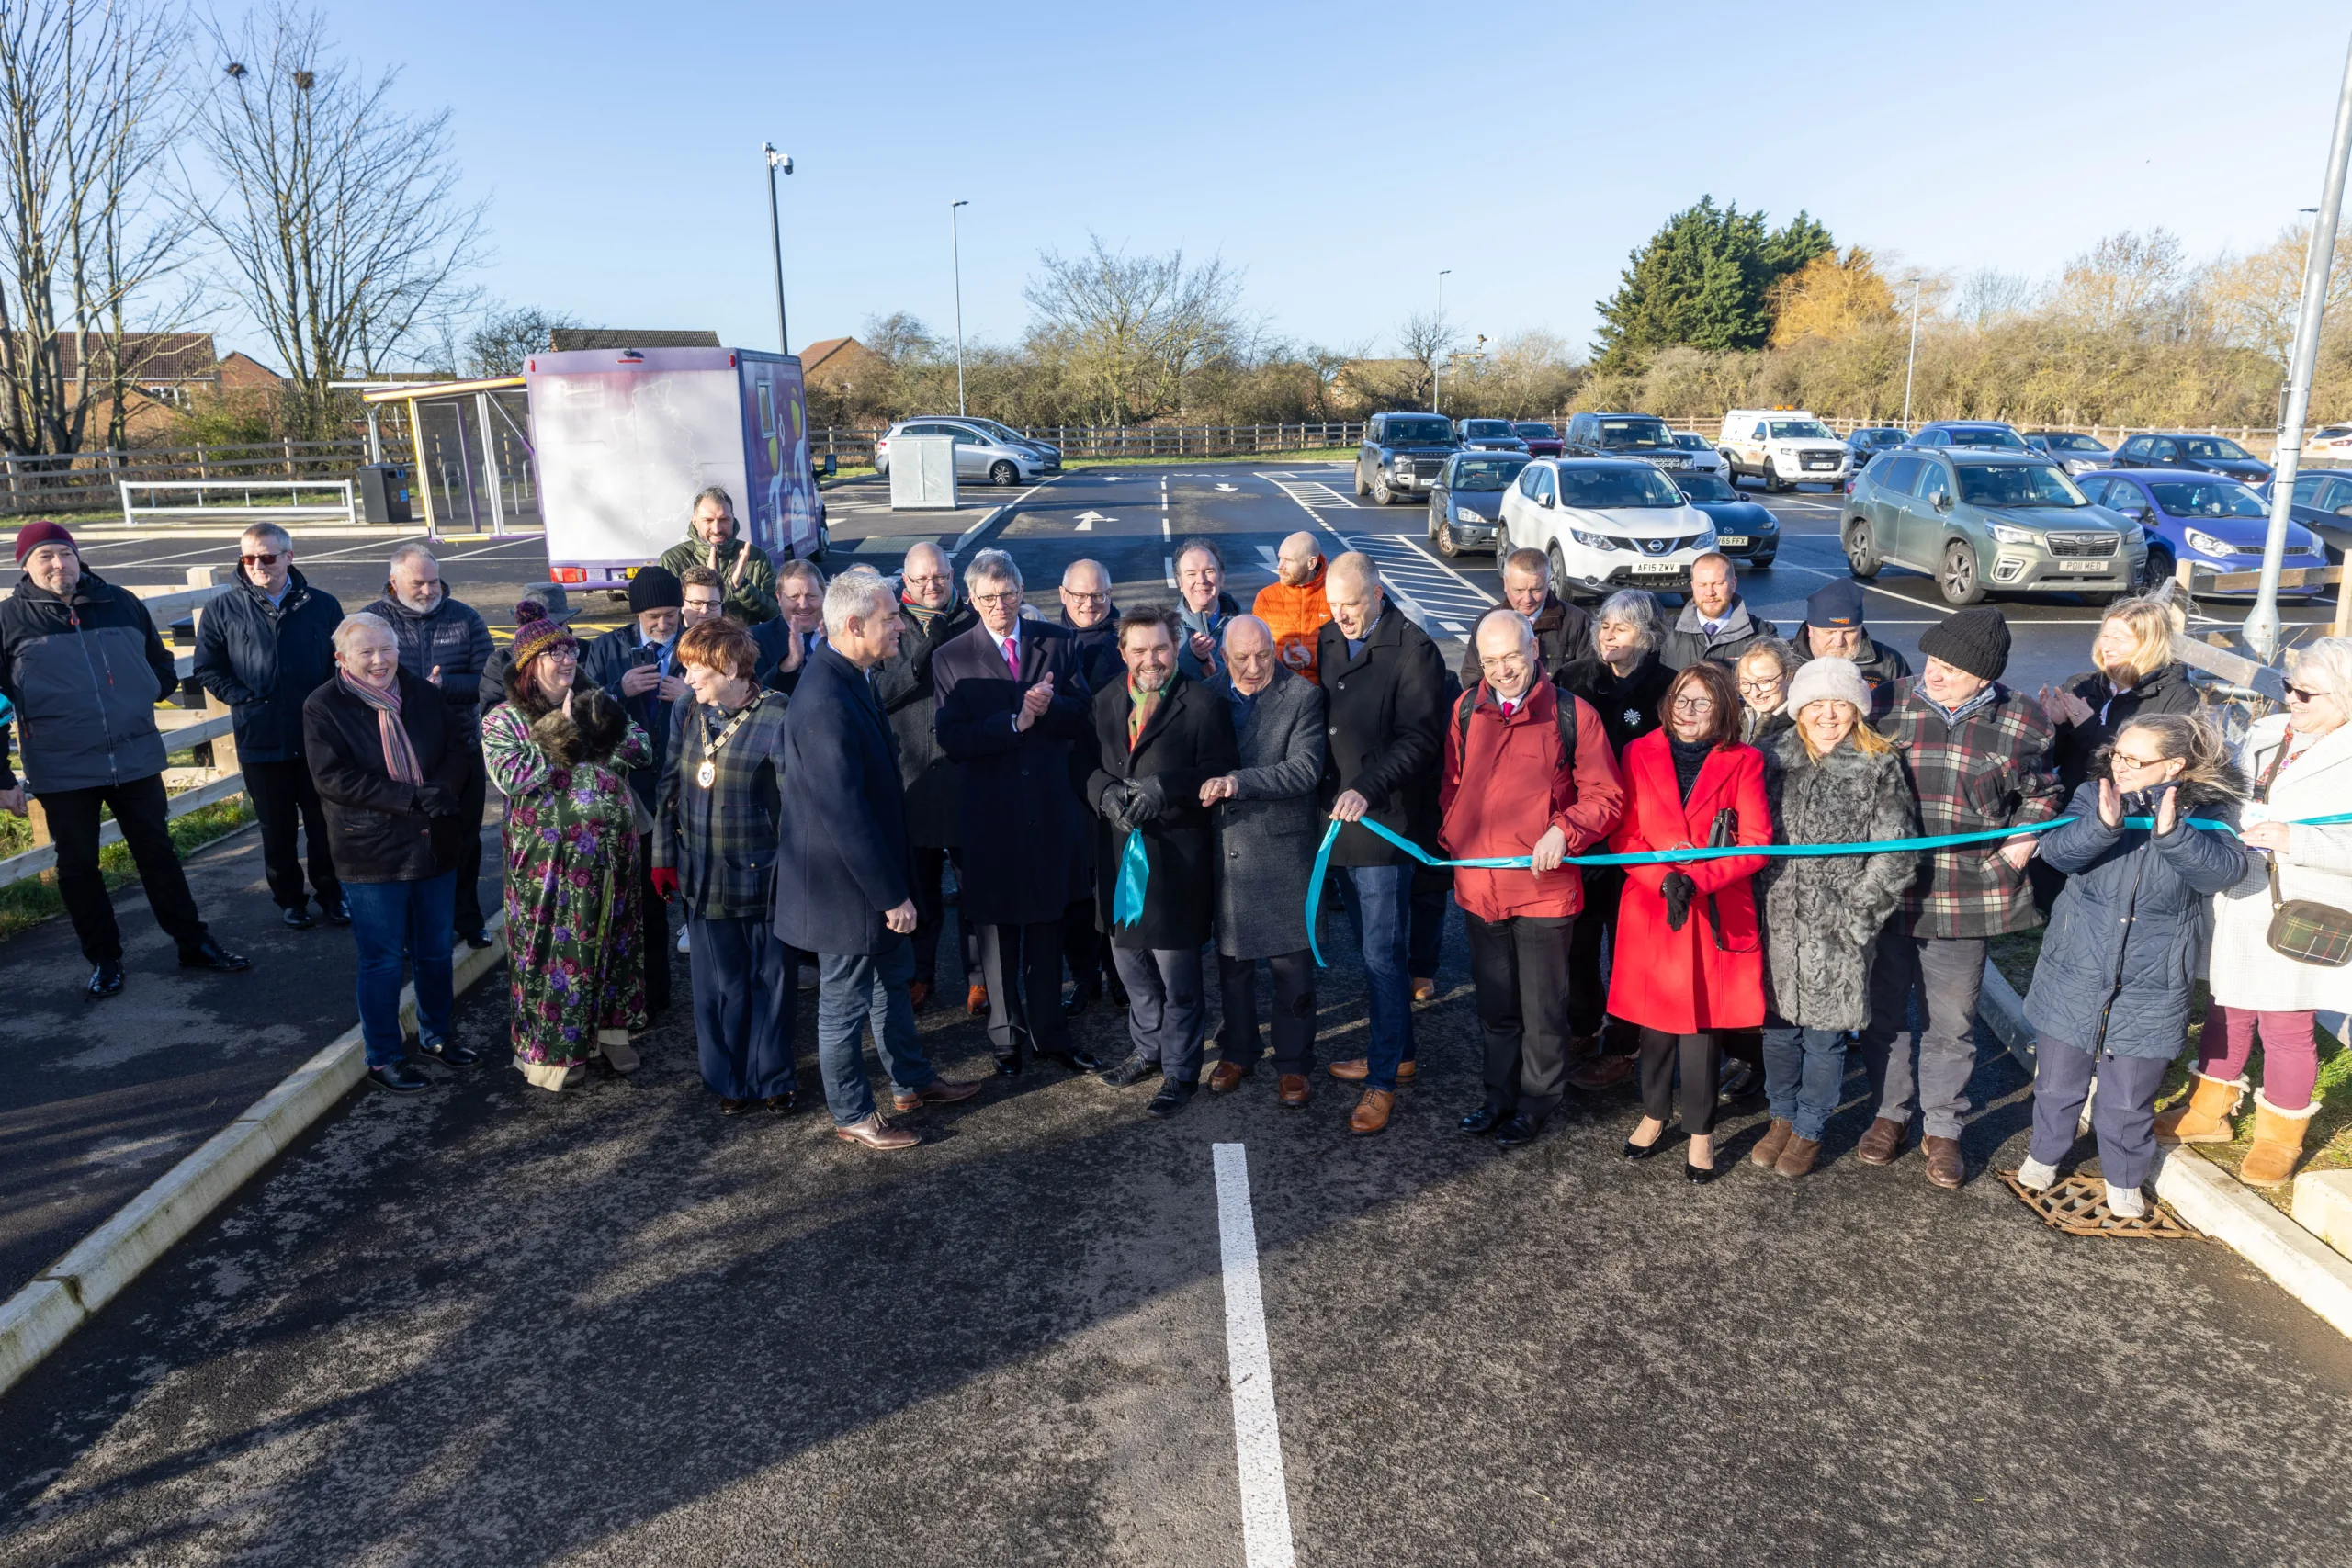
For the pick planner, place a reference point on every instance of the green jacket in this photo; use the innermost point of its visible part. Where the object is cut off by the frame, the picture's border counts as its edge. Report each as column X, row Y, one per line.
column 750, row 575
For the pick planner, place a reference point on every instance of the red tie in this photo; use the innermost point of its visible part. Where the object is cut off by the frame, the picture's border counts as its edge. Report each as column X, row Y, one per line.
column 1012, row 657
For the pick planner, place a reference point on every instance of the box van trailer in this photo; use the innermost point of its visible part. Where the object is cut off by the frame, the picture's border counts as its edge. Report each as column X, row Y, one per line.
column 623, row 439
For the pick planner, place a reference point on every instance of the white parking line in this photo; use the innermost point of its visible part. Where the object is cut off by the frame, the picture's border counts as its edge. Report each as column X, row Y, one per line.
column 1257, row 1433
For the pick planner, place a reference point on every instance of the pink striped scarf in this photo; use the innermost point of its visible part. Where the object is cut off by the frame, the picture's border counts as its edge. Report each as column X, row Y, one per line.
column 399, row 757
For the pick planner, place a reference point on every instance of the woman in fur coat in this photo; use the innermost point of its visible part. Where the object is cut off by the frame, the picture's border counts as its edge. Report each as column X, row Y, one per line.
column 1831, row 780
column 2111, row 990
column 559, row 754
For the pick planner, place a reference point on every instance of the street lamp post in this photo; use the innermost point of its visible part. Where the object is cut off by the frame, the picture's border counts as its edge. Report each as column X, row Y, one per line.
column 1437, row 366
column 2262, row 622
column 776, row 239
column 1913, row 363
column 955, row 248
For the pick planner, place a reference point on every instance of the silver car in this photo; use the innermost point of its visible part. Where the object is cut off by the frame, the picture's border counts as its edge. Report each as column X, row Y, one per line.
column 981, row 451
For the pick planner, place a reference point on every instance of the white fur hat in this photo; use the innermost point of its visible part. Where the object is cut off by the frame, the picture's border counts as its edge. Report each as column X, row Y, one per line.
column 1831, row 678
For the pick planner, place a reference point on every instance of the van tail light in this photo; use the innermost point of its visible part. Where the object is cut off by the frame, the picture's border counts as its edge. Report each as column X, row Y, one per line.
column 572, row 574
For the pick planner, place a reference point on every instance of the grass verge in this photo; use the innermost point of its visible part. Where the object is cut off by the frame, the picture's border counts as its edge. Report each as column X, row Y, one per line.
column 26, row 904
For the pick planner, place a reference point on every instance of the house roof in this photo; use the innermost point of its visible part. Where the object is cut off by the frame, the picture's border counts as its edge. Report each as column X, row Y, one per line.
column 565, row 339
column 155, row 356
column 824, row 348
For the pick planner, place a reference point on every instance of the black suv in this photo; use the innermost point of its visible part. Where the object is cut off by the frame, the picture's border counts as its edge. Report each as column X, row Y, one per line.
column 2210, row 453
column 1402, row 454
column 1624, row 435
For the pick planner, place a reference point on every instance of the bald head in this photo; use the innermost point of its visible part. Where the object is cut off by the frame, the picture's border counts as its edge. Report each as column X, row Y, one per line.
column 1086, row 593
column 929, row 577
column 1351, row 587
column 1295, row 562
column 1249, row 654
column 1506, row 643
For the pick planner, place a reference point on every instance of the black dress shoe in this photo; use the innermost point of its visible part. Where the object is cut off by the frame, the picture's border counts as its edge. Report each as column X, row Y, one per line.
column 398, row 1079
column 1073, row 1061
column 783, row 1104
column 106, row 979
column 1519, row 1131
column 1172, row 1097
column 1008, row 1066
column 728, row 1107
column 1131, row 1072
column 448, row 1052
column 1075, row 1003
column 298, row 919
column 336, row 911
column 1699, row 1176
column 477, row 939
column 1483, row 1120
column 213, row 956
column 1740, row 1080
column 1644, row 1151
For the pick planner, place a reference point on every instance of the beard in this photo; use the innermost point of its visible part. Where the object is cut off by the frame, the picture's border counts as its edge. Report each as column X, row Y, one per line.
column 1153, row 680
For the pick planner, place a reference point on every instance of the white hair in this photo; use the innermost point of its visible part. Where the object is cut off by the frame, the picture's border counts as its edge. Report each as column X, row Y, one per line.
column 1637, row 608
column 991, row 566
column 853, row 596
column 270, row 534
column 358, row 623
column 408, row 552
column 2332, row 655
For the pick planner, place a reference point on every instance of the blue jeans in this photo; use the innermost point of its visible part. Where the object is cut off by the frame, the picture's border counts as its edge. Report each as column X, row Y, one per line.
column 852, row 990
column 390, row 920
column 1377, row 896
column 1804, row 1071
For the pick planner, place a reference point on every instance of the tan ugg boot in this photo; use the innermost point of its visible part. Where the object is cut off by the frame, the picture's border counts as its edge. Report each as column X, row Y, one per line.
column 2278, row 1142
column 2204, row 1116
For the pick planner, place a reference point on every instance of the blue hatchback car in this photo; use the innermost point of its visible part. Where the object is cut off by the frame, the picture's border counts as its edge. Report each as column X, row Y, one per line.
column 2207, row 519
column 1744, row 531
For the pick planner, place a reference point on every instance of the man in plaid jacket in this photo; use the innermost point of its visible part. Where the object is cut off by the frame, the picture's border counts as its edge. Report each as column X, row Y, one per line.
column 1978, row 758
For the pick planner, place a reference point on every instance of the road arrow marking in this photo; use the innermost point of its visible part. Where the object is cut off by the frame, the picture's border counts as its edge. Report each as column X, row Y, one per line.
column 1228, row 488
column 1086, row 520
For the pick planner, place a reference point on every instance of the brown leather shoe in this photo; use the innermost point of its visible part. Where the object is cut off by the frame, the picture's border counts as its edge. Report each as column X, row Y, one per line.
column 879, row 1132
column 1882, row 1144
column 938, row 1091
column 976, row 1001
column 919, row 992
column 1372, row 1112
column 1945, row 1168
column 1601, row 1072
column 1424, row 990
column 1776, row 1138
column 1226, row 1077
column 1291, row 1091
column 1797, row 1157
column 1355, row 1069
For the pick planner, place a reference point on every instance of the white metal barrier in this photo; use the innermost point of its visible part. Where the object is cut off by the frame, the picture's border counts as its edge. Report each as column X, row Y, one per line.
column 294, row 509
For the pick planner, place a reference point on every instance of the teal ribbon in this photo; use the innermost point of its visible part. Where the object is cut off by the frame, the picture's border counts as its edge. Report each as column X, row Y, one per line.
column 1680, row 856
column 1135, row 875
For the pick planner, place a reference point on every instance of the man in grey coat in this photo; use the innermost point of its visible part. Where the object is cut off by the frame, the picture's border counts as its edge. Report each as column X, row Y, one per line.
column 1266, row 826
column 1714, row 623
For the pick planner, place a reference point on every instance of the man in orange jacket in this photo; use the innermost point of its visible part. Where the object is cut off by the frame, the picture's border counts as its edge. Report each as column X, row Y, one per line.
column 1293, row 605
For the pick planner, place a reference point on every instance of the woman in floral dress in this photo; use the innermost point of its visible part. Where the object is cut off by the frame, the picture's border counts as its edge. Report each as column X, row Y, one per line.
column 560, row 755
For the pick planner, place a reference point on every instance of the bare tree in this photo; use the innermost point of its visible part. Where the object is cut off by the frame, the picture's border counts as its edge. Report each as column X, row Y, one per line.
column 1130, row 330
column 89, row 232
column 508, row 337
column 2256, row 296
column 1426, row 338
column 1989, row 296
column 900, row 338
column 341, row 222
column 2141, row 284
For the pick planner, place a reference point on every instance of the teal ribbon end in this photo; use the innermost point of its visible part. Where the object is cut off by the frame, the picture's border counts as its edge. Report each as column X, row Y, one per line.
column 1134, row 877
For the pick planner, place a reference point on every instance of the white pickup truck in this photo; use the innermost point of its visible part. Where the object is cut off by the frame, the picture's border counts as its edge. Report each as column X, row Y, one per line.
column 1783, row 447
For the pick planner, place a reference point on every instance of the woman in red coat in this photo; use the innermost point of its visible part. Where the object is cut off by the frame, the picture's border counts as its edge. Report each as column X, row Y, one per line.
column 1688, row 961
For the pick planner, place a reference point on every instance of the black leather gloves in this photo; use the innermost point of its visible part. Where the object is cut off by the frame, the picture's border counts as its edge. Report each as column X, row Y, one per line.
column 1679, row 890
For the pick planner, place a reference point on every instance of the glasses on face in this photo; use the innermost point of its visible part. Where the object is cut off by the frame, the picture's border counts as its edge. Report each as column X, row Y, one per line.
column 561, row 655
column 1759, row 688
column 932, row 581
column 1694, row 704
column 1504, row 661
column 2138, row 764
column 2304, row 694
column 270, row 560
column 1010, row 597
column 1074, row 595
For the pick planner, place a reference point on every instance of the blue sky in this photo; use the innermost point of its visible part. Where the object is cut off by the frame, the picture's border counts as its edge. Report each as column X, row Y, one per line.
column 1339, row 155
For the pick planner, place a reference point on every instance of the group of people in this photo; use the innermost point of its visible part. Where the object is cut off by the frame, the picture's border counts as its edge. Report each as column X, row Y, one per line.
column 802, row 766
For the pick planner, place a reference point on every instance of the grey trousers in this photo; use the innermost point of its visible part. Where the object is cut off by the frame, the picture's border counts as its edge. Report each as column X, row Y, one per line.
column 1946, row 972
column 1167, row 1014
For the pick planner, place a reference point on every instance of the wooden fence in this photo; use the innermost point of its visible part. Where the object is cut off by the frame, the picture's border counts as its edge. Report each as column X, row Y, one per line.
column 94, row 479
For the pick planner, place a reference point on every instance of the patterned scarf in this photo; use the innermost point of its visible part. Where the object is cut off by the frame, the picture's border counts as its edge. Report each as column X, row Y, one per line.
column 399, row 757
column 924, row 615
column 1141, row 706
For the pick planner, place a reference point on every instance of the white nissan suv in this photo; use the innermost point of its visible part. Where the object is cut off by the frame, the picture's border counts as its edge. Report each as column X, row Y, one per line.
column 1606, row 524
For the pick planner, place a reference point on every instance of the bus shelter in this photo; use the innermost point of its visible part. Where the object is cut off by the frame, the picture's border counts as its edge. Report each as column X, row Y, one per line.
column 469, row 443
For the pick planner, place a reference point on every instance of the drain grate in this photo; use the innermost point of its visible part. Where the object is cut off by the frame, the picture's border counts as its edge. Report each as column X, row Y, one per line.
column 2077, row 1205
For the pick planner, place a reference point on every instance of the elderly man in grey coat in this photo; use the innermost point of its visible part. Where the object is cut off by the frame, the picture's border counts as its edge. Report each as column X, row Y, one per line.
column 1266, row 826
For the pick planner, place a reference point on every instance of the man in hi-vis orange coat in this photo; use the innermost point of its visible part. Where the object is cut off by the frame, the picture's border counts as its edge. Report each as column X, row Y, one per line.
column 1292, row 607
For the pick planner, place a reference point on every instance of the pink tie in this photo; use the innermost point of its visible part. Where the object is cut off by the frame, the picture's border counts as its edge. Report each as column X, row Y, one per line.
column 1012, row 657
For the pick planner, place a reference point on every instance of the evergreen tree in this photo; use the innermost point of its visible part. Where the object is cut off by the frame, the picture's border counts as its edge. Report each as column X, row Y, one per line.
column 1705, row 279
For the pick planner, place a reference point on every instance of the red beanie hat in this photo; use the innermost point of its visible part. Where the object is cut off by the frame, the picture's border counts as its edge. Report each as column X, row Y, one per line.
column 32, row 535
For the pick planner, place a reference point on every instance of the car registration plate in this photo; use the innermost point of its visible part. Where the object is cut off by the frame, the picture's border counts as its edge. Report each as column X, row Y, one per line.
column 1733, row 541
column 2086, row 566
column 1658, row 568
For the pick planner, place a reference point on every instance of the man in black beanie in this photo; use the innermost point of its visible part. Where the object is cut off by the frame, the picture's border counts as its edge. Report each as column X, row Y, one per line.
column 636, row 665
column 1978, row 758
column 1832, row 628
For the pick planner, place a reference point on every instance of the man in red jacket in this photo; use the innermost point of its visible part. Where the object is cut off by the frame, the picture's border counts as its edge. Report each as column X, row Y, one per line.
column 1522, row 778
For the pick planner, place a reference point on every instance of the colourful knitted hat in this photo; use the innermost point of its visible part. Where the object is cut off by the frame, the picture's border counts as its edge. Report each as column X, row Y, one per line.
column 535, row 632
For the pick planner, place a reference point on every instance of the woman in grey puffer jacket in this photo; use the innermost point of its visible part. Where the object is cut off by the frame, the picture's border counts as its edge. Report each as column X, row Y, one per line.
column 2111, row 990
column 1832, row 780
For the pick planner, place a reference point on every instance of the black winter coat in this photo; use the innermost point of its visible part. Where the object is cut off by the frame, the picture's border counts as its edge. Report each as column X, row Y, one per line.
column 1188, row 742
column 452, row 637
column 841, row 860
column 603, row 664
column 1563, row 636
column 1023, row 830
column 2126, row 936
column 84, row 677
column 264, row 662
column 910, row 695
column 377, row 828
column 1097, row 652
column 1627, row 705
column 2166, row 691
column 1881, row 667
column 1384, row 720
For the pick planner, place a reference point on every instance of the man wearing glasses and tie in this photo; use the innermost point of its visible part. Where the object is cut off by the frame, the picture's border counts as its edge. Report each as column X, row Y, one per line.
column 263, row 647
